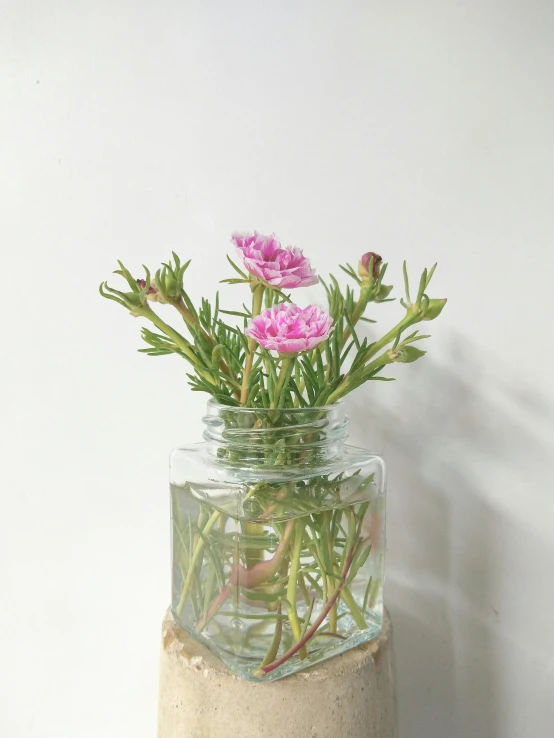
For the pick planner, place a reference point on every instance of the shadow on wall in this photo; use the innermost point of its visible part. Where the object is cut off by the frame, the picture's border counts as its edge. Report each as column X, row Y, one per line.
column 446, row 541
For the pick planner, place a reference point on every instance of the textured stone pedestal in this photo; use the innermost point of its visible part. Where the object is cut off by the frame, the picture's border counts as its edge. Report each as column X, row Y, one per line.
column 348, row 696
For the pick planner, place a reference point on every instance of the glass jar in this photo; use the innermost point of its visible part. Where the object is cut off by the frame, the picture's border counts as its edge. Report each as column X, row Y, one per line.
column 277, row 538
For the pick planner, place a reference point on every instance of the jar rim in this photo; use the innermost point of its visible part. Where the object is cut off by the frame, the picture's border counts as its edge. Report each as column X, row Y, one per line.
column 327, row 408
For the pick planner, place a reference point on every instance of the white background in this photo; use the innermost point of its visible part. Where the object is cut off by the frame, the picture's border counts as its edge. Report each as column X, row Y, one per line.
column 421, row 130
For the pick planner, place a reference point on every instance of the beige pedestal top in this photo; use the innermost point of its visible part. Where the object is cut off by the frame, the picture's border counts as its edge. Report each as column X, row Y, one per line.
column 351, row 695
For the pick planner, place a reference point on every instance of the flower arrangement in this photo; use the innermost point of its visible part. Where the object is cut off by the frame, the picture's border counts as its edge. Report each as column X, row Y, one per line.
column 277, row 523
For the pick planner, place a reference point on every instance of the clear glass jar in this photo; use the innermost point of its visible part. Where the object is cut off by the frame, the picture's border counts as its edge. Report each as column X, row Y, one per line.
column 277, row 538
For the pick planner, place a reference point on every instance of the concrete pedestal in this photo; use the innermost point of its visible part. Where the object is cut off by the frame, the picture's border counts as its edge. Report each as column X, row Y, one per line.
column 349, row 696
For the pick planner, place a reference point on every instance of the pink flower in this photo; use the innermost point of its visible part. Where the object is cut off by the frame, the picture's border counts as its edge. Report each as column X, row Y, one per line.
column 265, row 258
column 288, row 329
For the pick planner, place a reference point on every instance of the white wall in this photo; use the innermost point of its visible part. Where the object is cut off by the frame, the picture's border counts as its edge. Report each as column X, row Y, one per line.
column 417, row 129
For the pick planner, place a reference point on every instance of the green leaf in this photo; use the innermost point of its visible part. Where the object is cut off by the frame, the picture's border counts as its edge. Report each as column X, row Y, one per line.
column 216, row 310
column 360, row 557
column 430, row 275
column 350, row 271
column 397, row 339
column 319, row 364
column 189, row 305
column 346, row 352
column 124, row 272
column 422, row 285
column 237, row 313
column 414, row 338
column 233, row 281
column 297, row 392
column 105, row 292
column 310, row 377
column 366, row 595
column 406, row 282
column 326, row 288
column 241, row 274
column 352, row 330
column 285, row 298
column 156, row 351
column 336, row 343
column 177, row 261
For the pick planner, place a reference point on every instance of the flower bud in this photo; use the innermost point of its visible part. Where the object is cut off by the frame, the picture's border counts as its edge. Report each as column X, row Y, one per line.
column 434, row 309
column 142, row 284
column 153, row 293
column 168, row 284
column 363, row 266
column 407, row 354
column 384, row 292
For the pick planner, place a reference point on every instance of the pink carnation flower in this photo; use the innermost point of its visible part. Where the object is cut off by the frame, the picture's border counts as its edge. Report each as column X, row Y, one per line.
column 280, row 267
column 288, row 329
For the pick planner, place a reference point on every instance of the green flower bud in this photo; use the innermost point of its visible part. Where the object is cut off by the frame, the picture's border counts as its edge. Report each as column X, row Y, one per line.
column 383, row 293
column 169, row 284
column 433, row 309
column 407, row 354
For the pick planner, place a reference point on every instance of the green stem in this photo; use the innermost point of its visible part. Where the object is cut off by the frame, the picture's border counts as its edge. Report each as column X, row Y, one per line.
column 211, row 578
column 313, row 630
column 257, row 300
column 260, row 573
column 409, row 319
column 179, row 340
column 194, row 559
column 293, row 585
column 331, row 582
column 187, row 316
column 346, row 385
column 365, row 295
column 273, row 649
column 252, row 529
column 333, row 611
column 303, row 588
column 195, row 327
column 374, row 592
column 208, row 591
column 354, row 608
column 287, row 366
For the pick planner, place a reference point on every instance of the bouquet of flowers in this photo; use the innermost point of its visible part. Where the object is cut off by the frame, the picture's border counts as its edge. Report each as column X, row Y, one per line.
column 277, row 523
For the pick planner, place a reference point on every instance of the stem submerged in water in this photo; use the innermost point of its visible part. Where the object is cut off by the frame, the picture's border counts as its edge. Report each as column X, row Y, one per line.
column 264, row 670
column 199, row 547
column 242, row 577
column 313, row 555
column 293, row 585
column 276, row 642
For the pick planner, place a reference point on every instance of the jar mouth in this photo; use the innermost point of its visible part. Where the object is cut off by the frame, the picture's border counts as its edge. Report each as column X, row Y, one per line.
column 275, row 437
column 293, row 410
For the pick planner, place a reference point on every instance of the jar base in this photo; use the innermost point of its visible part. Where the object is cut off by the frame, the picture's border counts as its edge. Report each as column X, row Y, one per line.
column 247, row 664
